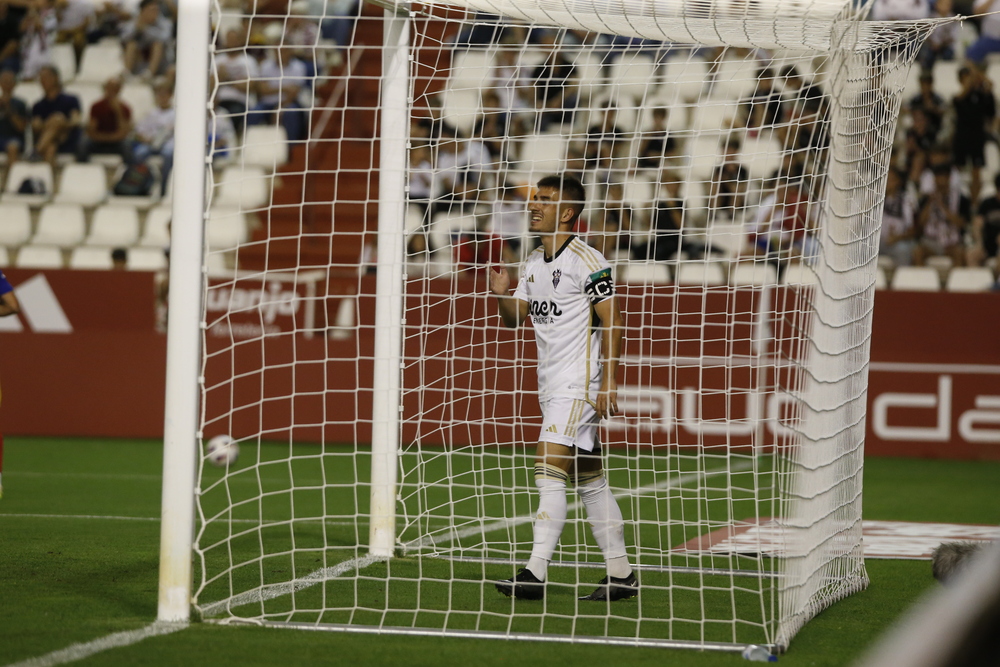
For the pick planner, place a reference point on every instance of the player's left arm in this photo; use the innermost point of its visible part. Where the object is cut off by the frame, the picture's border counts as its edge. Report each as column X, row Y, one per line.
column 613, row 328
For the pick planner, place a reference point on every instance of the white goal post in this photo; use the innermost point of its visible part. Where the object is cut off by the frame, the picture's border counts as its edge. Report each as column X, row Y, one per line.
column 735, row 159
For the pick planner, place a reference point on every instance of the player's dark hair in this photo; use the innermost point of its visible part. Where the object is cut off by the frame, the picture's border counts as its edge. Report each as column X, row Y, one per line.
column 570, row 189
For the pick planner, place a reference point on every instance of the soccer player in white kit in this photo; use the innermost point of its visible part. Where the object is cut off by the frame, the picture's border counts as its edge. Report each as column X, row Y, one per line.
column 566, row 288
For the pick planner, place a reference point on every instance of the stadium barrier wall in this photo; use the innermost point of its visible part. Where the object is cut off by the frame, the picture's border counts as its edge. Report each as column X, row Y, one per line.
column 86, row 358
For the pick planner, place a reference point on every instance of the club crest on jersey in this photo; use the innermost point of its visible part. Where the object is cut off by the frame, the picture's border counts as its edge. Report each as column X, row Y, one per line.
column 556, row 277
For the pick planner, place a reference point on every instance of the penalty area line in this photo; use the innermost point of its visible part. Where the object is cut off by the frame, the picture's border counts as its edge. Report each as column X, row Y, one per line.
column 86, row 649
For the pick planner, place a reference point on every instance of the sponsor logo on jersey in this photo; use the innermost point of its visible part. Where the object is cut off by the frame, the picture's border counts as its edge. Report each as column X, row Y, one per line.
column 556, row 277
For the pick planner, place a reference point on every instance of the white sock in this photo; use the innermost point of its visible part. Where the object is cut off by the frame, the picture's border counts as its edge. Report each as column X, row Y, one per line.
column 606, row 522
column 548, row 526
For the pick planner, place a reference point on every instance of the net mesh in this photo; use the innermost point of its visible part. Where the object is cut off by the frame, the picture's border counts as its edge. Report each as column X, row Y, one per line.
column 735, row 185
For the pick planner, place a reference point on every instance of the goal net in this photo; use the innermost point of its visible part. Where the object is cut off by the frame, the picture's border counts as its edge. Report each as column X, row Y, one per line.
column 734, row 159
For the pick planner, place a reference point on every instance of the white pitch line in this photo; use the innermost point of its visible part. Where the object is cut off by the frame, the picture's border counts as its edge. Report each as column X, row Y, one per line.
column 644, row 490
column 86, row 649
column 277, row 590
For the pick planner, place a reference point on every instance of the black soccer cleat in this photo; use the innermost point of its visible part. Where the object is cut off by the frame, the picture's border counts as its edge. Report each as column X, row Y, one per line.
column 619, row 589
column 523, row 586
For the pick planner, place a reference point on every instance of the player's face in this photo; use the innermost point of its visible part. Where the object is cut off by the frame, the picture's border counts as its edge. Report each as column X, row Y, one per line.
column 544, row 211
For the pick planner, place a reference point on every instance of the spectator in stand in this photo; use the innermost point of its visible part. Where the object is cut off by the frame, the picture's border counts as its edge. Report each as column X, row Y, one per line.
column 55, row 119
column 941, row 222
column 494, row 126
column 282, row 78
column 989, row 30
column 508, row 214
column 236, row 69
column 509, row 80
column 11, row 15
column 920, row 139
column 154, row 133
column 119, row 259
column 657, row 145
column 779, row 233
column 611, row 224
column 986, row 229
column 13, row 117
column 730, row 179
column 797, row 90
column 75, row 20
column 459, row 173
column 38, row 31
column 666, row 222
column 764, row 108
column 301, row 31
column 941, row 43
column 148, row 41
column 338, row 22
column 898, row 210
column 109, row 126
column 975, row 112
column 555, row 87
column 606, row 147
column 110, row 16
column 932, row 104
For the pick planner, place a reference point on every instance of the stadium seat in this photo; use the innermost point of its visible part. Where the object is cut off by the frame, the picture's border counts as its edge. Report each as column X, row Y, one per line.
column 139, row 97
column 756, row 274
column 19, row 171
column 88, row 93
column 445, row 226
column 155, row 234
column 88, row 257
column 737, row 79
column 727, row 237
column 543, row 154
column 799, row 274
column 83, row 184
column 39, row 257
column 15, row 228
column 970, row 279
column 761, row 155
column 470, row 69
column 30, row 92
column 60, row 225
column 115, row 226
column 460, row 108
column 139, row 202
column 100, row 62
column 700, row 273
column 146, row 259
column 634, row 76
column 916, row 279
column 686, row 76
column 705, row 154
column 265, row 146
column 226, row 228
column 243, row 187
column 63, row 57
column 643, row 273
column 4, row 256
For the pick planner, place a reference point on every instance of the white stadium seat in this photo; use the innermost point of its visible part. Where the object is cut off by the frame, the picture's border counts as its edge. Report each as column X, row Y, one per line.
column 116, row 226
column 700, row 273
column 445, row 226
column 139, row 97
column 799, row 274
column 146, row 259
column 60, row 225
column 880, row 280
column 155, row 234
column 15, row 228
column 87, row 93
column 4, row 256
column 87, row 257
column 83, row 184
column 916, row 279
column 100, row 62
column 19, row 171
column 265, row 146
column 970, row 279
column 63, row 57
column 729, row 238
column 643, row 273
column 39, row 257
column 226, row 228
column 29, row 92
column 756, row 274
column 243, row 187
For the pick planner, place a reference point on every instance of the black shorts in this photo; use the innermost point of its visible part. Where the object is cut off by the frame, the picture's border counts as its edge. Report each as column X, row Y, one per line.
column 966, row 151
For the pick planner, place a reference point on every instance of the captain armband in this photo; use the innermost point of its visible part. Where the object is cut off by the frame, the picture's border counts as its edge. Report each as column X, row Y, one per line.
column 600, row 285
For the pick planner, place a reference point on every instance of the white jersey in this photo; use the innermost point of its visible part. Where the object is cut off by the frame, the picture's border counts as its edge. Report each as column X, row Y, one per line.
column 560, row 293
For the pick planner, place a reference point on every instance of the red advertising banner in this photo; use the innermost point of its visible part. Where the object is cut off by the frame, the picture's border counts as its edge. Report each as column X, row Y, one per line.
column 86, row 358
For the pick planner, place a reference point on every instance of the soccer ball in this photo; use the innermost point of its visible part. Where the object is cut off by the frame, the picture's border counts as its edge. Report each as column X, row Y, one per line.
column 222, row 451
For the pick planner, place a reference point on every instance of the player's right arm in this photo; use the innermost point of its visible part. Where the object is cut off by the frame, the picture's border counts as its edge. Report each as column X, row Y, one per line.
column 512, row 310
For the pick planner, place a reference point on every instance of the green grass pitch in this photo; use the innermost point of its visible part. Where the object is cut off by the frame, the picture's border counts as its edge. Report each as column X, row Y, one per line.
column 79, row 537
